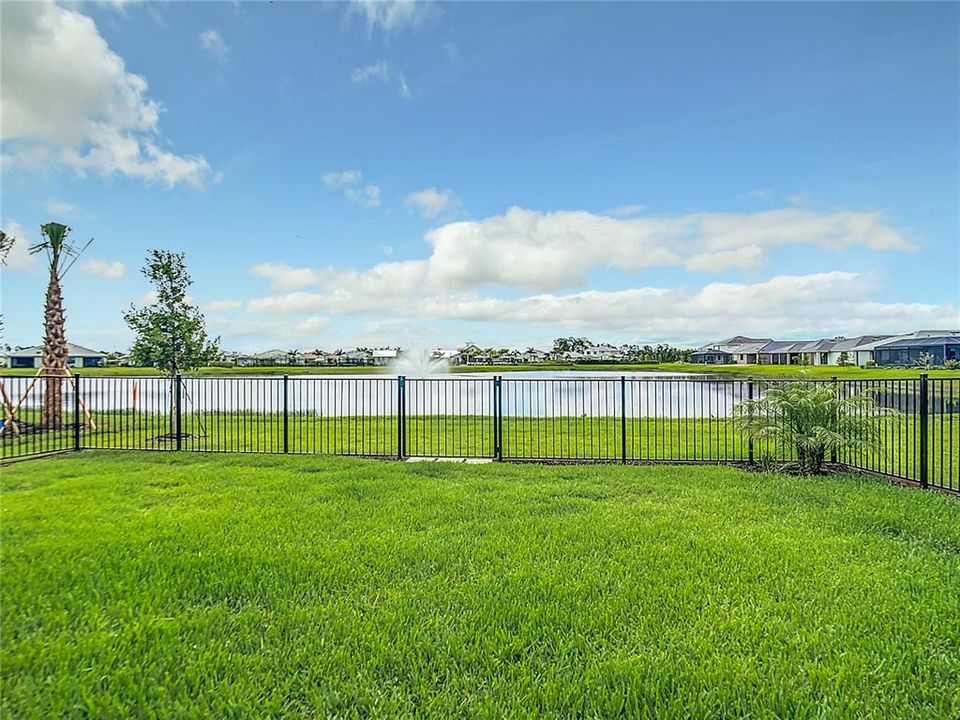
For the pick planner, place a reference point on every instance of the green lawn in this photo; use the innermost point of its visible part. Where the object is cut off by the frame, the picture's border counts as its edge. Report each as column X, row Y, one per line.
column 573, row 437
column 200, row 586
column 764, row 371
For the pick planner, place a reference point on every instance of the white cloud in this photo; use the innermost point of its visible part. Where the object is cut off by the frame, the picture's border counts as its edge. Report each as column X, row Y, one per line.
column 527, row 250
column 791, row 305
column 104, row 269
column 350, row 181
column 342, row 178
column 367, row 196
column 303, row 331
column 221, row 305
column 402, row 86
column 381, row 72
column 19, row 257
column 211, row 42
column 550, row 251
column 749, row 257
column 286, row 277
column 625, row 211
column 431, row 203
column 69, row 100
column 390, row 16
column 148, row 298
column 290, row 303
column 58, row 207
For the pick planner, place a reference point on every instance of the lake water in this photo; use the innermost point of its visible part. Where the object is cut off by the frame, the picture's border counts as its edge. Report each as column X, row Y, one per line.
column 523, row 394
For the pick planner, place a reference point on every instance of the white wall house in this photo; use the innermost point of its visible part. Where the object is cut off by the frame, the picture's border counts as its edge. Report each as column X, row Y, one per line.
column 384, row 356
column 602, row 353
column 32, row 357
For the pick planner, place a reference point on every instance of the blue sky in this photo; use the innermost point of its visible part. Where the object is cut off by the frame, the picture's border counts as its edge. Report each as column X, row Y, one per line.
column 426, row 174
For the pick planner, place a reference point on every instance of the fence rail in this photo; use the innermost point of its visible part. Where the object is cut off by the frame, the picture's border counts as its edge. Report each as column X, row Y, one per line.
column 567, row 419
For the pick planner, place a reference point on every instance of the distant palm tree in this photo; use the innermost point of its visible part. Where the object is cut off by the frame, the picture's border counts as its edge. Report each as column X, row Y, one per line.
column 55, row 354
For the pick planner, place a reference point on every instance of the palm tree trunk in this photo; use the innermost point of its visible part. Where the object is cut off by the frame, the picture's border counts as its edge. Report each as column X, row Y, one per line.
column 55, row 353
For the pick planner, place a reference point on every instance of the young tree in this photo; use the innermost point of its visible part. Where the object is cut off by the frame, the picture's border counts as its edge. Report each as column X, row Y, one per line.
column 55, row 353
column 843, row 359
column 171, row 333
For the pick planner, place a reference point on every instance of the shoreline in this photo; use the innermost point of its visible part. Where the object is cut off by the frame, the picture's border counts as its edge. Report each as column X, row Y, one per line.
column 738, row 372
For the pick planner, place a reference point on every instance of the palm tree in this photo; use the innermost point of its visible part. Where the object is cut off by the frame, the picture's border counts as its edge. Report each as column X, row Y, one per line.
column 55, row 354
column 814, row 418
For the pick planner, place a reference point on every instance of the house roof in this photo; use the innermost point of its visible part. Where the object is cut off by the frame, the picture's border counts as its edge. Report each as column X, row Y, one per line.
column 926, row 341
column 709, row 351
column 73, row 350
column 742, row 340
column 862, row 342
column 785, row 346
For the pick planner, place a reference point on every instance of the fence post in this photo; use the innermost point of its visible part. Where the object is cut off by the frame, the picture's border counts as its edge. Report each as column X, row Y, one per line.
column 401, row 419
column 497, row 417
column 750, row 437
column 179, row 410
column 286, row 417
column 924, row 434
column 76, row 412
column 623, row 419
column 836, row 420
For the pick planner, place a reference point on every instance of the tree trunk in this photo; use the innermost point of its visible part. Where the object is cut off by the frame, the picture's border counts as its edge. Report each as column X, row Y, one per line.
column 55, row 353
column 174, row 420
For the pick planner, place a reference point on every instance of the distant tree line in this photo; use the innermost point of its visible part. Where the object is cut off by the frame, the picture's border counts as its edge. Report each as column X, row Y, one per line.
column 661, row 353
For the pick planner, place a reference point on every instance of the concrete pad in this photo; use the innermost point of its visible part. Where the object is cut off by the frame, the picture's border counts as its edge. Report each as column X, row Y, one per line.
column 468, row 461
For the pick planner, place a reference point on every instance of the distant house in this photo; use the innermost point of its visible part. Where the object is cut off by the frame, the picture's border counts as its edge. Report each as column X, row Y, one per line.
column 742, row 350
column 859, row 350
column 453, row 357
column 272, row 357
column 739, row 350
column 602, row 353
column 471, row 354
column 711, row 356
column 309, row 357
column 940, row 345
column 384, row 356
column 32, row 357
column 356, row 357
column 532, row 355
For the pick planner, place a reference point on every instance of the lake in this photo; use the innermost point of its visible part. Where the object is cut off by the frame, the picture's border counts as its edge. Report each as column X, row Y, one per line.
column 523, row 394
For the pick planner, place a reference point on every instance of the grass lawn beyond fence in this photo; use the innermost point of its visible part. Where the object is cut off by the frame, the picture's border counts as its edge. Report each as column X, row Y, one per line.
column 196, row 586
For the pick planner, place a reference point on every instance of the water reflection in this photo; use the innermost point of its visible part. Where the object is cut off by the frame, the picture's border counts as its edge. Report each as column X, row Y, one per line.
column 526, row 394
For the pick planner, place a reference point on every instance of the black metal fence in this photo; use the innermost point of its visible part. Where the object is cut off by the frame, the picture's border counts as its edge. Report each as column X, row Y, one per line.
column 564, row 419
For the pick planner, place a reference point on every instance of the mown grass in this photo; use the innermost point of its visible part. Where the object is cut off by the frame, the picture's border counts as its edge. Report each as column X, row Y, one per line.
column 742, row 371
column 198, row 586
column 570, row 437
